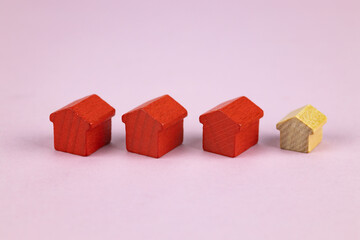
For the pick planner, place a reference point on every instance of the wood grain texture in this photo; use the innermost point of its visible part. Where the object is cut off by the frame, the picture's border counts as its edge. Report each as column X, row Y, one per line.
column 155, row 127
column 231, row 127
column 83, row 126
column 301, row 130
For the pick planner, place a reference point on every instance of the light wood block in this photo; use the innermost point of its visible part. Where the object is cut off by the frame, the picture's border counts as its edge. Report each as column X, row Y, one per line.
column 301, row 130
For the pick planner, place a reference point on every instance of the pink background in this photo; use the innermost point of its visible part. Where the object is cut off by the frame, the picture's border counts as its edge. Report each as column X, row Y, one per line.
column 280, row 54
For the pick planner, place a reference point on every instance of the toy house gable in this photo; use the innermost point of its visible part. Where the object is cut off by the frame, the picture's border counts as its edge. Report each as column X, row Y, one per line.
column 91, row 109
column 164, row 110
column 240, row 110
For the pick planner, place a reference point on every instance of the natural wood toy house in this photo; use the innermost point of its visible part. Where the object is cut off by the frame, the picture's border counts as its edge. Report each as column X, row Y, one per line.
column 231, row 127
column 83, row 126
column 301, row 130
column 155, row 127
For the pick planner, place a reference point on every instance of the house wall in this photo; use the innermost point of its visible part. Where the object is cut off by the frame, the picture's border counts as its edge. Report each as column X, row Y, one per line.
column 170, row 137
column 294, row 135
column 142, row 134
column 247, row 137
column 219, row 134
column 315, row 139
column 98, row 137
column 70, row 133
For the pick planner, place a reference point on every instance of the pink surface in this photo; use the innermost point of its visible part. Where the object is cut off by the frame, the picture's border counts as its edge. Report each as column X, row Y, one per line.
column 280, row 54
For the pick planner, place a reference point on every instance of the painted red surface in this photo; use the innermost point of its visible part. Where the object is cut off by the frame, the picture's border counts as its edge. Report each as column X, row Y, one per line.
column 83, row 126
column 155, row 127
column 231, row 127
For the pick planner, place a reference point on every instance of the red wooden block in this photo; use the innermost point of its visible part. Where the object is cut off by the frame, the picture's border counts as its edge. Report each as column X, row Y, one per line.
column 231, row 127
column 155, row 127
column 83, row 126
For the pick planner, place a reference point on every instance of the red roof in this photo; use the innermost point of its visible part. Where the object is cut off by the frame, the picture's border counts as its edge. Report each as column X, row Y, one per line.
column 91, row 109
column 164, row 110
column 241, row 110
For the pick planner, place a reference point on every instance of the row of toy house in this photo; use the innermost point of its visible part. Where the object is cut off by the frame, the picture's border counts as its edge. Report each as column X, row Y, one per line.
column 156, row 127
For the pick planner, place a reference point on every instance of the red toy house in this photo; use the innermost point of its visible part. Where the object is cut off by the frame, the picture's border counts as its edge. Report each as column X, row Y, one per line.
column 83, row 126
column 155, row 127
column 231, row 127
